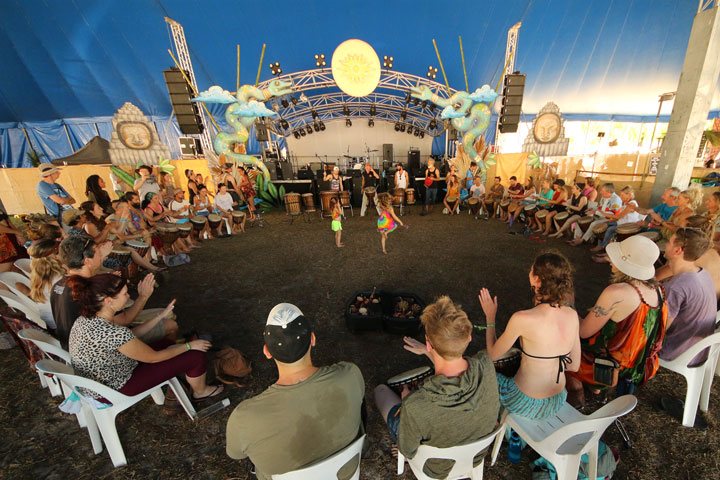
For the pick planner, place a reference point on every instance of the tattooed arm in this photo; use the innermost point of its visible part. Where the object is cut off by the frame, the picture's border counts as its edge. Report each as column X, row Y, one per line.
column 604, row 310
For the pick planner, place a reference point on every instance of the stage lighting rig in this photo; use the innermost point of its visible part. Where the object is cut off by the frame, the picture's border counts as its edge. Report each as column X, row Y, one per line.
column 416, row 101
column 294, row 100
column 422, row 134
column 296, row 134
column 432, row 107
column 303, row 98
column 309, row 129
column 285, row 103
column 432, row 72
column 320, row 60
column 322, row 126
column 371, row 123
column 316, row 127
column 424, row 104
column 402, row 127
column 397, row 127
column 302, row 131
column 314, row 114
column 372, row 110
column 275, row 68
column 408, row 98
column 432, row 125
column 403, row 115
column 416, row 132
column 388, row 62
column 409, row 129
column 348, row 123
column 346, row 110
column 284, row 124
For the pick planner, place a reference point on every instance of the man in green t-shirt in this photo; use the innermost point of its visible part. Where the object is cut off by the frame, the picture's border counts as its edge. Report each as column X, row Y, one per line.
column 456, row 406
column 309, row 414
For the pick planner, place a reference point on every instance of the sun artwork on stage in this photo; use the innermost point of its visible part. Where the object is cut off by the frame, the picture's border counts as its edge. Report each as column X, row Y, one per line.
column 356, row 68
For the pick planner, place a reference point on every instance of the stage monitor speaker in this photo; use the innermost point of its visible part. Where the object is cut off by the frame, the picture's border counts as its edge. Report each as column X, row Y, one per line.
column 413, row 160
column 181, row 93
column 388, row 152
column 286, row 170
column 190, row 146
column 261, row 133
column 272, row 168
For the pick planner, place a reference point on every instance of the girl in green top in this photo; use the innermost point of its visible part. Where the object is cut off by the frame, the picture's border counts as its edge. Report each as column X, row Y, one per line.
column 546, row 193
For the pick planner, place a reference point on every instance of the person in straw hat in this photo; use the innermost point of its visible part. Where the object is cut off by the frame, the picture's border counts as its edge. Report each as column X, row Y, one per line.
column 53, row 195
column 627, row 323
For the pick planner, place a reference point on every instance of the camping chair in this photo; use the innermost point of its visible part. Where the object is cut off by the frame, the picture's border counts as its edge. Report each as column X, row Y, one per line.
column 9, row 279
column 699, row 377
column 563, row 438
column 104, row 415
column 462, row 455
column 329, row 467
column 23, row 264
column 50, row 347
column 14, row 302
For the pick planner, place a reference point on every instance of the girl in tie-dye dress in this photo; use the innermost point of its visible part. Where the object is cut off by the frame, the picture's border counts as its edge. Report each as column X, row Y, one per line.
column 387, row 221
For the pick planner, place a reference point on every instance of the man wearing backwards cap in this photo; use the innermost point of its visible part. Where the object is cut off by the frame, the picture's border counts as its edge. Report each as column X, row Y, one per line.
column 308, row 414
column 53, row 195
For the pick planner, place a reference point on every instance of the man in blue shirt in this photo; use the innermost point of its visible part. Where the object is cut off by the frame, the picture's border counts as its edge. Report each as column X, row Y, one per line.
column 53, row 195
column 661, row 212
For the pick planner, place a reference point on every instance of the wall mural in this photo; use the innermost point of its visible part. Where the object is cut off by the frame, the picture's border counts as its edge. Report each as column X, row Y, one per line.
column 547, row 134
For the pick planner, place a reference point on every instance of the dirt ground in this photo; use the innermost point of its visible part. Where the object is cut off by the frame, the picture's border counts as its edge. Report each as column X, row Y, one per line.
column 233, row 283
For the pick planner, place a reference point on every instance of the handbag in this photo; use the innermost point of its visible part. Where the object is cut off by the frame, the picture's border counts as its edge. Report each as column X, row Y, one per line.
column 230, row 365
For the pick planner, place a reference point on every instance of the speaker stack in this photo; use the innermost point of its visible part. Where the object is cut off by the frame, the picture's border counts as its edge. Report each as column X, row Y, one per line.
column 413, row 164
column 186, row 112
column 387, row 152
column 513, row 90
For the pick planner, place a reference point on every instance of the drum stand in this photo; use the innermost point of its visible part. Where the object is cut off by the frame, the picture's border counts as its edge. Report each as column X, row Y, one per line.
column 352, row 214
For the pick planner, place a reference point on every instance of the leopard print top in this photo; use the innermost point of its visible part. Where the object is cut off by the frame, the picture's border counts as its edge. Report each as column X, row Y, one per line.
column 94, row 344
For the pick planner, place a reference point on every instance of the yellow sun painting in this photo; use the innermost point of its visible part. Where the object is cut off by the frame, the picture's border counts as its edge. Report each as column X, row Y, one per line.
column 356, row 68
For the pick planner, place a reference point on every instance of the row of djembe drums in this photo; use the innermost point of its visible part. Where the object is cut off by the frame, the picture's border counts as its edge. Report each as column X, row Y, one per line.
column 297, row 204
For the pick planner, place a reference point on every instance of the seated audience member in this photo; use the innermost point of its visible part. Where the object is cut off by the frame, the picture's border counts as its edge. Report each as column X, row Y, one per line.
column 549, row 340
column 610, row 204
column 203, row 203
column 515, row 190
column 45, row 270
column 41, row 226
column 691, row 300
column 713, row 213
column 158, row 215
column 496, row 194
column 628, row 214
column 94, row 190
column 456, row 406
column 81, row 256
column 184, row 212
column 310, row 412
column 627, row 322
column 660, row 213
column 453, row 190
column 104, row 350
column 224, row 207
column 687, row 203
column 528, row 197
column 477, row 190
column 11, row 243
column 576, row 208
column 557, row 204
column 590, row 191
column 544, row 196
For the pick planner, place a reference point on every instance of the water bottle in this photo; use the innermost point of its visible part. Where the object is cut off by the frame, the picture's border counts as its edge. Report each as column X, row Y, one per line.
column 514, row 448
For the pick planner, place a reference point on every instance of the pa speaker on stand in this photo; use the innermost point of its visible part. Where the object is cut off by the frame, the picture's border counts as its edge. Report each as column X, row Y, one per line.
column 186, row 112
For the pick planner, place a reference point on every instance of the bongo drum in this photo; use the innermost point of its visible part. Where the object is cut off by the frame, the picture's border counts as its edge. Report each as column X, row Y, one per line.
column 168, row 234
column 599, row 230
column 654, row 236
column 584, row 223
column 561, row 218
column 509, row 363
column 540, row 216
column 513, row 207
column 308, row 202
column 214, row 219
column 412, row 378
column 139, row 246
column 123, row 255
column 410, row 196
column 399, row 197
column 184, row 230
column 489, row 207
column 627, row 230
column 474, row 205
column 370, row 193
column 237, row 217
column 325, row 197
column 451, row 199
column 345, row 199
column 198, row 223
column 292, row 204
column 505, row 204
column 530, row 210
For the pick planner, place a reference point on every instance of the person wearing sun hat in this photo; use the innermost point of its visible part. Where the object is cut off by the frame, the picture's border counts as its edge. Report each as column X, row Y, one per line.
column 618, row 325
column 54, row 197
column 308, row 414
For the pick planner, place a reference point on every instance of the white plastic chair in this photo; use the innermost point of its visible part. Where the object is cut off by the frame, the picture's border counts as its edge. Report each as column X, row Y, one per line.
column 329, row 467
column 15, row 303
column 9, row 279
column 49, row 346
column 564, row 437
column 699, row 378
column 105, row 417
column 463, row 456
column 23, row 264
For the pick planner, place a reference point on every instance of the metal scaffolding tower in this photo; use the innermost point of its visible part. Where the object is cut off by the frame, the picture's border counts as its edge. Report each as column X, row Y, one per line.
column 183, row 57
column 510, row 50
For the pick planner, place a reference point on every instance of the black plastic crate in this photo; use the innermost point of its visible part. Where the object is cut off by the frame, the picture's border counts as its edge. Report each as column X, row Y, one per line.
column 373, row 320
column 402, row 326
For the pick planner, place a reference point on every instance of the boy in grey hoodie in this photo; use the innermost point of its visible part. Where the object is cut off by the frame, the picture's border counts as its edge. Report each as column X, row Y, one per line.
column 456, row 406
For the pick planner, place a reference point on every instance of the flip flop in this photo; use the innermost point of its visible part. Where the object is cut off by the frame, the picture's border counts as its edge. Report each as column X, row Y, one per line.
column 216, row 391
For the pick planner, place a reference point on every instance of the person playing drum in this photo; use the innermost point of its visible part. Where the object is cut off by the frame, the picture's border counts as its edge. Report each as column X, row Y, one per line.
column 557, row 204
column 496, row 194
column 185, row 212
column 156, row 212
column 576, row 206
column 224, row 207
column 549, row 340
column 514, row 191
column 370, row 178
column 453, row 194
column 458, row 405
column 528, row 197
column 471, row 174
column 626, row 216
column 478, row 191
column 401, row 177
column 336, row 184
column 228, row 179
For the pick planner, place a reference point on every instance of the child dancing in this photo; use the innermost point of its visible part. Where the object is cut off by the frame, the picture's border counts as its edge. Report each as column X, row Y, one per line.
column 386, row 222
column 337, row 212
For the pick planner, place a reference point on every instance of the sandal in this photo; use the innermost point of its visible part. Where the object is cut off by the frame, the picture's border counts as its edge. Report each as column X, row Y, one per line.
column 216, row 391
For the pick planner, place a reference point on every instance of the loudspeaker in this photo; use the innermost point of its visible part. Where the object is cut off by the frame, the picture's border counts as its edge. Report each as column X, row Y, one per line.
column 190, row 146
column 286, row 170
column 452, row 134
column 513, row 90
column 357, row 192
column 272, row 168
column 261, row 133
column 388, row 152
column 413, row 160
column 186, row 112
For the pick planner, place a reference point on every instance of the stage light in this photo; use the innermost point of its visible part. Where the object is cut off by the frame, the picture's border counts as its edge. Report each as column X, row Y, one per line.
column 397, row 127
column 314, row 114
column 372, row 110
column 320, row 60
column 371, row 123
column 276, row 107
column 309, row 129
column 416, row 101
column 302, row 131
column 296, row 134
column 322, row 126
column 424, row 104
column 409, row 129
column 387, row 62
column 416, row 132
column 284, row 124
column 294, row 100
column 408, row 98
column 348, row 123
column 275, row 68
column 432, row 125
column 432, row 72
column 285, row 103
column 346, row 110
column 432, row 107
column 403, row 115
column 422, row 134
column 303, row 98
column 402, row 127
column 316, row 127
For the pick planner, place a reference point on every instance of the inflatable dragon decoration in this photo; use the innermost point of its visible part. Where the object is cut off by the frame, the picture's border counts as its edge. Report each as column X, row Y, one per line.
column 469, row 113
column 244, row 108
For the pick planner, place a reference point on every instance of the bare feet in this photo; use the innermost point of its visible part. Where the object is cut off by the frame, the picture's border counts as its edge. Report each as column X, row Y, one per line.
column 340, row 245
column 575, row 243
column 597, row 249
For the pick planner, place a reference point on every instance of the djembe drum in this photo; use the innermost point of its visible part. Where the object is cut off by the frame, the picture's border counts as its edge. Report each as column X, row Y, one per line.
column 325, row 197
column 540, row 216
column 505, row 204
column 410, row 196
column 122, row 254
column 509, row 364
column 292, row 204
column 237, row 217
column 345, row 199
column 370, row 193
column 308, row 202
column 412, row 378
column 626, row 231
column 474, row 205
column 398, row 198
column 529, row 211
column 215, row 220
column 168, row 234
column 584, row 223
column 142, row 249
column 599, row 230
column 561, row 218
column 184, row 230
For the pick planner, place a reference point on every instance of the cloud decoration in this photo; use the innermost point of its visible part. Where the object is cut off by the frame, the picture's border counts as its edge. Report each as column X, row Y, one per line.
column 484, row 94
column 215, row 94
column 254, row 109
column 450, row 112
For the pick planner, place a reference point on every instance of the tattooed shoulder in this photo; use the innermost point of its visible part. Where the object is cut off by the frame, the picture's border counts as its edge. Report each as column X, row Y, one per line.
column 600, row 311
